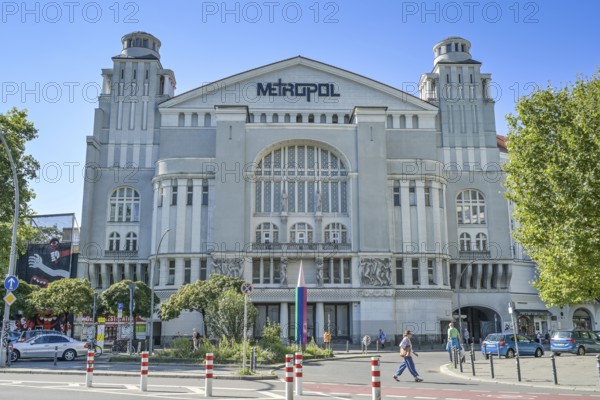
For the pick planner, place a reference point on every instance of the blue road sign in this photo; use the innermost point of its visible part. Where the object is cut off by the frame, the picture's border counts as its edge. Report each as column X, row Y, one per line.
column 120, row 306
column 11, row 283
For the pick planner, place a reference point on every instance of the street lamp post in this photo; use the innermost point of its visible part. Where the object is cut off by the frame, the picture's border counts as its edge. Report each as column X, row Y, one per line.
column 13, row 250
column 151, row 322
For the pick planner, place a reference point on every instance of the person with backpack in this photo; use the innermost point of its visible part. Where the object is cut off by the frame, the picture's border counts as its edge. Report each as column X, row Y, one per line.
column 406, row 352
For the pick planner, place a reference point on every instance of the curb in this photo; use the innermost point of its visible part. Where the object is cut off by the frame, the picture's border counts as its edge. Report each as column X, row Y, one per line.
column 447, row 370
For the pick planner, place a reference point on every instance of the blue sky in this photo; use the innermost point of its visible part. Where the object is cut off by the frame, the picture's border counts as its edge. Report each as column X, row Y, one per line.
column 54, row 51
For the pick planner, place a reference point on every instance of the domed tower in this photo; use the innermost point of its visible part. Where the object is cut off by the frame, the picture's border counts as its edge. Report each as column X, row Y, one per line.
column 140, row 44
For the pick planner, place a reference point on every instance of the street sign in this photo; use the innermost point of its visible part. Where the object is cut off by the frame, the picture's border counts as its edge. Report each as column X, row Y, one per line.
column 247, row 288
column 11, row 283
column 10, row 298
column 120, row 310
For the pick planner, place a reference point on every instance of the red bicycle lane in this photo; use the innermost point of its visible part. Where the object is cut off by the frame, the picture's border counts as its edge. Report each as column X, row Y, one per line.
column 432, row 393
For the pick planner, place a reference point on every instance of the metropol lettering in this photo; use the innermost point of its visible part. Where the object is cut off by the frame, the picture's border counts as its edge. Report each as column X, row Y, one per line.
column 296, row 89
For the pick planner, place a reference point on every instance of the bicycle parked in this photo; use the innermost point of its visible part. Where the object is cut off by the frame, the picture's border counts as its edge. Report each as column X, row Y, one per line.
column 123, row 346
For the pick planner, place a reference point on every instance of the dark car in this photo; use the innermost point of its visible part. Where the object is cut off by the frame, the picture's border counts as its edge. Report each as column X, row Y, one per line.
column 503, row 344
column 577, row 341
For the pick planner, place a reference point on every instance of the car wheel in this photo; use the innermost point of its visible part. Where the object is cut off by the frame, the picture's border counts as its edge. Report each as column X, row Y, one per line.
column 69, row 355
column 538, row 352
column 98, row 351
column 510, row 353
column 14, row 356
column 581, row 351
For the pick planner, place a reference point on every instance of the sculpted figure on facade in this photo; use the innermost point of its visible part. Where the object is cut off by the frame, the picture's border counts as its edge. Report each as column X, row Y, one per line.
column 228, row 267
column 375, row 271
column 319, row 262
column 283, row 271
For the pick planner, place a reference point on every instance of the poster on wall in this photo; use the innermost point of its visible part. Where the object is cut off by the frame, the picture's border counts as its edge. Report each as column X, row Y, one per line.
column 45, row 263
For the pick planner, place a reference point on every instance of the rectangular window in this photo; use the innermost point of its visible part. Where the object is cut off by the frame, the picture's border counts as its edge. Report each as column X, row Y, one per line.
column 346, row 271
column 266, row 275
column 190, row 193
column 445, row 272
column 205, row 192
column 327, row 270
column 337, row 271
column 453, row 276
column 399, row 272
column 203, row 274
column 427, row 194
column 415, row 271
column 463, row 274
column 187, row 276
column 144, row 278
column 494, row 284
column 121, row 272
column 483, row 275
column 171, row 276
column 98, row 274
column 412, row 196
column 396, row 195
column 276, row 271
column 111, row 277
column 174, row 193
column 160, row 196
column 431, row 271
column 441, row 194
column 256, row 271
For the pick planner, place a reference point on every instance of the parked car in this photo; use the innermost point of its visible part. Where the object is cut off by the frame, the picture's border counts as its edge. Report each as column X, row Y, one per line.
column 503, row 344
column 43, row 346
column 26, row 335
column 576, row 341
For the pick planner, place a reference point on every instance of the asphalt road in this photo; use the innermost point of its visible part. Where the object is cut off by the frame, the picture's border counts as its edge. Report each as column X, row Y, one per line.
column 339, row 379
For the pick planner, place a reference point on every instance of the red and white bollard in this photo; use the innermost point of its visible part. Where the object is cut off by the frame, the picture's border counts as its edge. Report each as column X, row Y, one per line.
column 89, row 372
column 289, row 377
column 208, row 375
column 144, row 372
column 298, row 368
column 375, row 378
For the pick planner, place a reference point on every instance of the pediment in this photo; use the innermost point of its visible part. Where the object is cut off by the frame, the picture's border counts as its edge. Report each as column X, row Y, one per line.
column 297, row 83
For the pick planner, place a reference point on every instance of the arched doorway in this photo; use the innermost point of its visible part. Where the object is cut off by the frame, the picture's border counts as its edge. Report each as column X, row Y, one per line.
column 480, row 322
column 582, row 319
column 526, row 326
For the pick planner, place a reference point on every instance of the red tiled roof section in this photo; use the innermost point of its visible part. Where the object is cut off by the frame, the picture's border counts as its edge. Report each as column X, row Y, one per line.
column 501, row 142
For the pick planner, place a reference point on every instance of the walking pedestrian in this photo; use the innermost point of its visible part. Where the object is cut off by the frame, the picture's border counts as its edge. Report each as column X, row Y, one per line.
column 466, row 336
column 453, row 340
column 406, row 352
column 195, row 338
column 381, row 338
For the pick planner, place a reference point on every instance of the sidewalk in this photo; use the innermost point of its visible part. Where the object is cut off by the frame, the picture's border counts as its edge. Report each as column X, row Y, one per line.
column 573, row 372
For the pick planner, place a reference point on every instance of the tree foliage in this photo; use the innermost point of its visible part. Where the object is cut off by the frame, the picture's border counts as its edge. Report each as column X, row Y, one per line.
column 225, row 316
column 65, row 296
column 554, row 181
column 23, row 303
column 17, row 132
column 119, row 293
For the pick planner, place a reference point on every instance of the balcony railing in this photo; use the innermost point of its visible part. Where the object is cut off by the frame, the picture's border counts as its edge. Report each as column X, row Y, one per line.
column 474, row 255
column 324, row 247
column 121, row 254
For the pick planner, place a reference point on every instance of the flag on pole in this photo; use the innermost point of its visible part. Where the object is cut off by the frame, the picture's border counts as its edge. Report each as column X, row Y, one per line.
column 301, row 297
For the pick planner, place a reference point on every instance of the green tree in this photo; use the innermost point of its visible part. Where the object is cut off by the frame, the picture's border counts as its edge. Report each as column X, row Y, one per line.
column 23, row 304
column 119, row 293
column 65, row 296
column 17, row 131
column 198, row 296
column 225, row 316
column 554, row 182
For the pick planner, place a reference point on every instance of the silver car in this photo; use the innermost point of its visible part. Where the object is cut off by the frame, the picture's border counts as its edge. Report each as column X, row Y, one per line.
column 43, row 346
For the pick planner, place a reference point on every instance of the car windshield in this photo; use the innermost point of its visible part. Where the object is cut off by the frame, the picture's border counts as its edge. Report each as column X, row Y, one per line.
column 562, row 335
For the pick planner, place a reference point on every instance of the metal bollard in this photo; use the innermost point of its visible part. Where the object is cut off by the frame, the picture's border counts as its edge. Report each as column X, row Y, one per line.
column 492, row 364
column 298, row 367
column 460, row 361
column 473, row 360
column 55, row 354
column 89, row 372
column 252, row 357
column 144, row 372
column 518, row 368
column 554, row 369
column 347, row 346
column 289, row 377
column 454, row 357
column 375, row 379
column 598, row 362
column 377, row 346
column 208, row 375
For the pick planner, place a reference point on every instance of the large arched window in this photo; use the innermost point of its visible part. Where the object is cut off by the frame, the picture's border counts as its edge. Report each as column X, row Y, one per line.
column 114, row 241
column 301, row 179
column 470, row 207
column 582, row 319
column 267, row 233
column 336, row 233
column 465, row 242
column 124, row 205
column 131, row 242
column 301, row 233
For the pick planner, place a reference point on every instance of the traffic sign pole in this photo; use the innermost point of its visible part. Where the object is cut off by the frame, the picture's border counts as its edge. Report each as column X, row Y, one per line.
column 246, row 290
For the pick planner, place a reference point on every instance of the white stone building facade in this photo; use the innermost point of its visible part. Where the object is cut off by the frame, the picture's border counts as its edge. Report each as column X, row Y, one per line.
column 393, row 203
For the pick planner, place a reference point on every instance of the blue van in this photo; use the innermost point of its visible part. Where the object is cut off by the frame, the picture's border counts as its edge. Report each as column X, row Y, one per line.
column 577, row 341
